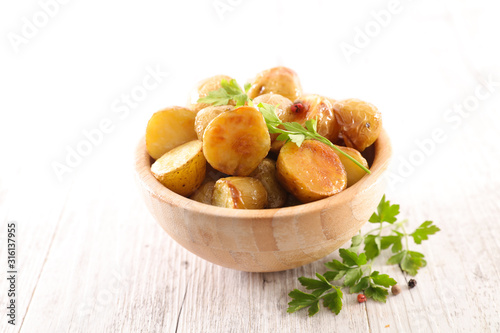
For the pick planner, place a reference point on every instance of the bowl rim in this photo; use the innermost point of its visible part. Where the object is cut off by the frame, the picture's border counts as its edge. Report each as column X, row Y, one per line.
column 383, row 152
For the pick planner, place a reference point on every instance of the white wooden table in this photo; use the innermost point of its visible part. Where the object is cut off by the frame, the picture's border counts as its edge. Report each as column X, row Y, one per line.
column 90, row 258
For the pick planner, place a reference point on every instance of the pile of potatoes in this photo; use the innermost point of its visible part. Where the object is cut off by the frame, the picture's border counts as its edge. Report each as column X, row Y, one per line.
column 225, row 156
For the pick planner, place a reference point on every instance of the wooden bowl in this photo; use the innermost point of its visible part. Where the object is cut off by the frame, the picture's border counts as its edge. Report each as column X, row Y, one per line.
column 264, row 240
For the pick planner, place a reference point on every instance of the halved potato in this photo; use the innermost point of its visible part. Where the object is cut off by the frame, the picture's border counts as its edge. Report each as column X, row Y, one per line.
column 202, row 89
column 360, row 122
column 204, row 193
column 235, row 142
column 277, row 80
column 206, row 115
column 239, row 193
column 310, row 172
column 181, row 169
column 266, row 173
column 169, row 128
column 354, row 172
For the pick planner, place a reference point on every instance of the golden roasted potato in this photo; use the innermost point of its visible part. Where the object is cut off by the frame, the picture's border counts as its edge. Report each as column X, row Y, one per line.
column 206, row 115
column 321, row 108
column 277, row 80
column 239, row 193
column 282, row 104
column 360, row 122
column 169, row 128
column 202, row 89
column 204, row 193
column 310, row 172
column 354, row 172
column 235, row 142
column 266, row 173
column 181, row 169
column 311, row 107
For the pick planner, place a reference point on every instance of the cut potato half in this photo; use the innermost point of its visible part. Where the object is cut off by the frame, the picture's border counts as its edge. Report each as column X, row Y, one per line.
column 310, row 172
column 266, row 173
column 354, row 172
column 239, row 193
column 169, row 128
column 235, row 142
column 181, row 169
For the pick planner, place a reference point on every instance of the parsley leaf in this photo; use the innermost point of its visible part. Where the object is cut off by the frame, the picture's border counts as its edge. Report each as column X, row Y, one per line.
column 229, row 91
column 409, row 261
column 333, row 300
column 301, row 300
column 394, row 241
column 372, row 246
column 386, row 212
column 351, row 258
column 422, row 232
column 379, row 294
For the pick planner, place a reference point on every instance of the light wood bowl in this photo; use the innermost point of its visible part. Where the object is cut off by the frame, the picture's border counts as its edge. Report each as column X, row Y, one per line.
column 265, row 240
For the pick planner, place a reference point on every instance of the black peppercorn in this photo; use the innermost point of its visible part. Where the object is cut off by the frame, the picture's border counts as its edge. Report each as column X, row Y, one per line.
column 412, row 283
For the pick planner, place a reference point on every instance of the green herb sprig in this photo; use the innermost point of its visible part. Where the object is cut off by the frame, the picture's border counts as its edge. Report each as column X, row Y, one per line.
column 293, row 131
column 356, row 269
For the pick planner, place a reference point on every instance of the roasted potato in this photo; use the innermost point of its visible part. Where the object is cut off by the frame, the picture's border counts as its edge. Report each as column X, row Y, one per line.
column 181, row 169
column 266, row 173
column 235, row 142
column 311, row 107
column 202, row 89
column 204, row 193
column 360, row 122
column 310, row 172
column 168, row 129
column 354, row 172
column 283, row 106
column 239, row 193
column 277, row 80
column 319, row 108
column 206, row 115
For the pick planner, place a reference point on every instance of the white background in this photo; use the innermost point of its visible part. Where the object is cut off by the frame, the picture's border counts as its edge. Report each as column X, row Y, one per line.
column 69, row 75
column 65, row 78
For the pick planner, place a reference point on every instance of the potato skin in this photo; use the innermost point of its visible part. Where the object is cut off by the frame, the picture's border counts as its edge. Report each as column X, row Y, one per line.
column 310, row 172
column 239, row 193
column 266, row 173
column 360, row 122
column 204, row 193
column 319, row 108
column 277, row 80
column 202, row 89
column 235, row 142
column 314, row 107
column 169, row 128
column 181, row 169
column 354, row 172
column 206, row 115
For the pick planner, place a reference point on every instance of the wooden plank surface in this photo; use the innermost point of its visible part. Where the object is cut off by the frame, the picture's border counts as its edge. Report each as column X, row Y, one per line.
column 92, row 259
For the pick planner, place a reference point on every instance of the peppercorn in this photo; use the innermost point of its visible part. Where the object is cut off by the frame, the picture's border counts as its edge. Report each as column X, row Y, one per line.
column 361, row 298
column 396, row 290
column 297, row 108
column 412, row 283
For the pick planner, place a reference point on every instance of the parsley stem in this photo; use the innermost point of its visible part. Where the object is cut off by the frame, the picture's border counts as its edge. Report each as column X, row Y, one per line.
column 327, row 142
column 406, row 236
